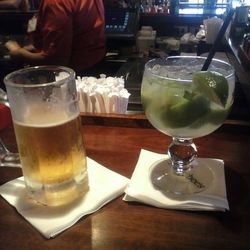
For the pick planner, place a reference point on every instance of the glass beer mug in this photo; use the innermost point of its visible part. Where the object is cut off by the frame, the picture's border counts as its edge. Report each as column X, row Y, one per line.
column 45, row 113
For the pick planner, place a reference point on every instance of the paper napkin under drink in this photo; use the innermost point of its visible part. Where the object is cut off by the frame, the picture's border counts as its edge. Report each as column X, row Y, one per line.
column 104, row 186
column 141, row 189
column 102, row 95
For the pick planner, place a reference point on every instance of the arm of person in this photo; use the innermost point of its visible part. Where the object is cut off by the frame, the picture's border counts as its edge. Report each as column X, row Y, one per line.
column 56, row 41
column 28, row 56
column 30, row 47
column 25, row 53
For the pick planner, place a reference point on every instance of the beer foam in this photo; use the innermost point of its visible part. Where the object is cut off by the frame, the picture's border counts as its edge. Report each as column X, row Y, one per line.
column 37, row 116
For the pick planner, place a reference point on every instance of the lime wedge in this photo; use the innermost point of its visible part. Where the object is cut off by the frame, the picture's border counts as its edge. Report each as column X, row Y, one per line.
column 213, row 85
column 215, row 117
column 185, row 112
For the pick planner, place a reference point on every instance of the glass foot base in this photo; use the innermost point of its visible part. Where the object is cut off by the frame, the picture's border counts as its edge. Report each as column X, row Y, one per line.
column 196, row 179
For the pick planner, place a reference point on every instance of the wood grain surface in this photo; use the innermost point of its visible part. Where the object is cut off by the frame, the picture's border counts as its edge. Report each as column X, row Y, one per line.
column 122, row 225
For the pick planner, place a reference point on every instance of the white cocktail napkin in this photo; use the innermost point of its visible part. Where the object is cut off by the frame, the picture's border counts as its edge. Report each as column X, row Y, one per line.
column 141, row 189
column 104, row 186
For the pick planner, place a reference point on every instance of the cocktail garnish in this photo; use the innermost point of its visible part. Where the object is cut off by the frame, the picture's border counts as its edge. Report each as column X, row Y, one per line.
column 185, row 112
column 213, row 85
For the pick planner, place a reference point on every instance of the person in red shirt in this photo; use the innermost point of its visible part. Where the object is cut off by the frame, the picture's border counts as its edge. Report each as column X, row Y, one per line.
column 65, row 32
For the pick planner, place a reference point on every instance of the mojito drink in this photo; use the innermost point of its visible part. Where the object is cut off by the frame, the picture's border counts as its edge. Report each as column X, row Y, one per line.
column 181, row 101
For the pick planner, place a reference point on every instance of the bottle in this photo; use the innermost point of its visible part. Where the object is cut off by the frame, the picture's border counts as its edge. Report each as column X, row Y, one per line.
column 174, row 7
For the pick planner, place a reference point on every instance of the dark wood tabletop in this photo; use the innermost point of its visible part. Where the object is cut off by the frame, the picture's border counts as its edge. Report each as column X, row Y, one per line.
column 116, row 143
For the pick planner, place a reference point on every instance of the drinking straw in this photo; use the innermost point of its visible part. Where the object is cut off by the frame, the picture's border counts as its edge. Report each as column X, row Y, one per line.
column 218, row 40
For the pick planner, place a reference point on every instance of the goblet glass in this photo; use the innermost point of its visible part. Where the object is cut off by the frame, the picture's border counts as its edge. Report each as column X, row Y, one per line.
column 184, row 102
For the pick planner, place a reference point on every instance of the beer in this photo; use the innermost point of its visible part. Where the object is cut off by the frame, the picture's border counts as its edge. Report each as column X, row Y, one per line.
column 52, row 156
column 44, row 109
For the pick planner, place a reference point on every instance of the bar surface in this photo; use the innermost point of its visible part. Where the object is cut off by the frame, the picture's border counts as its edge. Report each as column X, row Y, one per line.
column 115, row 142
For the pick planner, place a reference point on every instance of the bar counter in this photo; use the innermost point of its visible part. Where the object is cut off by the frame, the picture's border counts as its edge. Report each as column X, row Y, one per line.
column 115, row 142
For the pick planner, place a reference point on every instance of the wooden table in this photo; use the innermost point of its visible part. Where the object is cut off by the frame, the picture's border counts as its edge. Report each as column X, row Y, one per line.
column 116, row 143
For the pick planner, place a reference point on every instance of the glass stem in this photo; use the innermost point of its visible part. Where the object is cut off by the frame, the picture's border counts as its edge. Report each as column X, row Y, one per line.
column 182, row 152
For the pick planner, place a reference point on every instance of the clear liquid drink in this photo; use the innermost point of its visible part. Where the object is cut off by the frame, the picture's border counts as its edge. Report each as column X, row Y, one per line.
column 184, row 102
column 179, row 103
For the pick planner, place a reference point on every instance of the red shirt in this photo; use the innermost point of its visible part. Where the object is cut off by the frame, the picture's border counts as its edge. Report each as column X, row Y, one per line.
column 71, row 32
